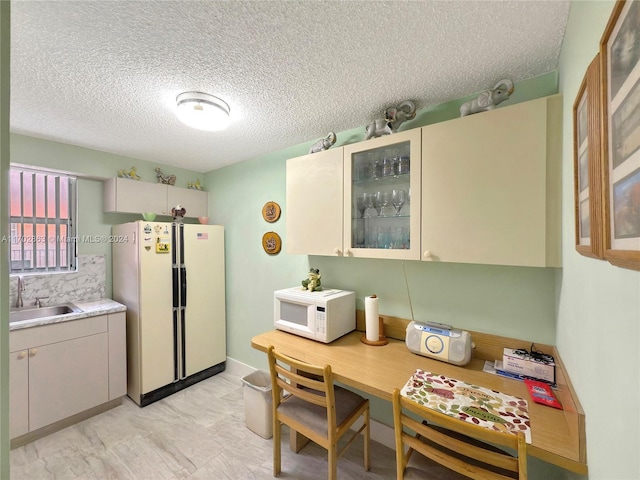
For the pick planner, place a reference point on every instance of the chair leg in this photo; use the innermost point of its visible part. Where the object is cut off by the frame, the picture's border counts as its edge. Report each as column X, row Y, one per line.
column 277, row 427
column 332, row 453
column 367, row 437
column 400, row 462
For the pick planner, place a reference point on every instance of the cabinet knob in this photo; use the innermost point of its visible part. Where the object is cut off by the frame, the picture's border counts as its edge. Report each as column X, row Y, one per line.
column 427, row 255
column 22, row 354
column 336, row 251
column 32, row 352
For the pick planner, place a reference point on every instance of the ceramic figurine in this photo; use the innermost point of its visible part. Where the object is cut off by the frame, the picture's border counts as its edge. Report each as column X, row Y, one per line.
column 393, row 118
column 324, row 143
column 313, row 282
column 178, row 213
column 166, row 179
column 123, row 173
column 488, row 99
column 194, row 185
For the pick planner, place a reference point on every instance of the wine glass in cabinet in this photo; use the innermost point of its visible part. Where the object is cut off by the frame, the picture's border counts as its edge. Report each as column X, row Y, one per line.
column 373, row 171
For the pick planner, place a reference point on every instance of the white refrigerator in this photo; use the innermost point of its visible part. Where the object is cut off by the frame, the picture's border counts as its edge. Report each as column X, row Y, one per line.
column 171, row 278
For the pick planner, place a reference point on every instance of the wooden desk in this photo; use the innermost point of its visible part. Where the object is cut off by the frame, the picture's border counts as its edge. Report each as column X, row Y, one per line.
column 378, row 370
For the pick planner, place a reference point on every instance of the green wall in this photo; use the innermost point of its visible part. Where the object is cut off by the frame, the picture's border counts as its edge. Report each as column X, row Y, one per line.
column 598, row 304
column 90, row 163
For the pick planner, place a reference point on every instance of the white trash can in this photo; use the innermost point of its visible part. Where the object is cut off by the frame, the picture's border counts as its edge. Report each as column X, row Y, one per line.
column 257, row 403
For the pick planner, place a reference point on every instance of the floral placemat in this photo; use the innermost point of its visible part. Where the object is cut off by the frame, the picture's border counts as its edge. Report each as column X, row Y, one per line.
column 470, row 403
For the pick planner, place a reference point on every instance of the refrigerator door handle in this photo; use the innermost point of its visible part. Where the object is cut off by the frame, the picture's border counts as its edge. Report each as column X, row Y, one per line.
column 176, row 370
column 174, row 243
column 183, row 286
column 176, row 291
column 181, row 253
column 183, row 353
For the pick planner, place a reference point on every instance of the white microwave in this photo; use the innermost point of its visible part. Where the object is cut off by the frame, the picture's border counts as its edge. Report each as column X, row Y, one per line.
column 322, row 316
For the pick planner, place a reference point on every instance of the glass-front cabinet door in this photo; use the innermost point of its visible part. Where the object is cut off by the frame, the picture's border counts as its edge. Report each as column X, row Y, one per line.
column 382, row 197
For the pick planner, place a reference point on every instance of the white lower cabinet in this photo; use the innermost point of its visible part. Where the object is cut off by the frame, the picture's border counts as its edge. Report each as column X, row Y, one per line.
column 62, row 369
column 67, row 378
column 19, row 388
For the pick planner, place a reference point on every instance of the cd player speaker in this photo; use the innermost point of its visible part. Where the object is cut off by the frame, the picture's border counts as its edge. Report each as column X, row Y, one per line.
column 452, row 346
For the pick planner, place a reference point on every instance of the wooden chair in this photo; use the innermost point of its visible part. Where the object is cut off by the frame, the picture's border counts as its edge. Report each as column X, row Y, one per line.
column 315, row 408
column 456, row 444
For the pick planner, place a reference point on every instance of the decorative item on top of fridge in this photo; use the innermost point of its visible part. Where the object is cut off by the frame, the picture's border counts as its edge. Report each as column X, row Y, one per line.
column 312, row 283
column 178, row 213
column 393, row 118
column 488, row 99
column 131, row 174
column 324, row 143
column 166, row 179
column 194, row 185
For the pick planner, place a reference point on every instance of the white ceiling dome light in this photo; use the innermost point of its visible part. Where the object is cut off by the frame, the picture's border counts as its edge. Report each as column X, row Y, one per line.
column 203, row 111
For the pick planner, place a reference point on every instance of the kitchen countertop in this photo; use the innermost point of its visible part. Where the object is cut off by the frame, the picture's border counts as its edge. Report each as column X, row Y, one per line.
column 88, row 309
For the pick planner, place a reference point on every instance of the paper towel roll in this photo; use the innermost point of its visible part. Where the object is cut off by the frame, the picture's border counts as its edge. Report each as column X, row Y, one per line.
column 372, row 318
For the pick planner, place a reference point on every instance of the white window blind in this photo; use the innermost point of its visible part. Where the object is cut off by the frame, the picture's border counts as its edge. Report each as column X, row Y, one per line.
column 43, row 221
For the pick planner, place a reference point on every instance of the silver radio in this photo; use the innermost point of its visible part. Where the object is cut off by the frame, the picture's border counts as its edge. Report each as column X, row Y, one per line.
column 439, row 341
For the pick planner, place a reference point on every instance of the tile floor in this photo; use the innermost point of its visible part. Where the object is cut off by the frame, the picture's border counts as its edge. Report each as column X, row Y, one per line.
column 196, row 434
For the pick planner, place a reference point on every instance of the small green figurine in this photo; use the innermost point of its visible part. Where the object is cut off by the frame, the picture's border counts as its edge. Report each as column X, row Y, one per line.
column 313, row 282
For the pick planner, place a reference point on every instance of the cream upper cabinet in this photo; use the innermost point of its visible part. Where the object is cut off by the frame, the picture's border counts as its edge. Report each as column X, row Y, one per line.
column 314, row 203
column 382, row 197
column 124, row 195
column 133, row 196
column 341, row 202
column 479, row 189
column 491, row 186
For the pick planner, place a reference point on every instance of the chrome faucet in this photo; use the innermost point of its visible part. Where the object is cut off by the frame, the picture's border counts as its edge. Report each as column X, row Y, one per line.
column 19, row 303
column 38, row 303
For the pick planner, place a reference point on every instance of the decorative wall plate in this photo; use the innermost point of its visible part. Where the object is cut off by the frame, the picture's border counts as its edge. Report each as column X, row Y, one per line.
column 271, row 212
column 271, row 243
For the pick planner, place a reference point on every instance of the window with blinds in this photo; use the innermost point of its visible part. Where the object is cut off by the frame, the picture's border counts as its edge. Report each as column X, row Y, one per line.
column 42, row 221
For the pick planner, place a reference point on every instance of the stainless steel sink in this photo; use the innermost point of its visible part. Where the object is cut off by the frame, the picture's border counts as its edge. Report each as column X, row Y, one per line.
column 33, row 313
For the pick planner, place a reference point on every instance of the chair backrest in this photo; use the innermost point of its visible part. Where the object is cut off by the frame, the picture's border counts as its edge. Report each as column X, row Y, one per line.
column 457, row 444
column 311, row 383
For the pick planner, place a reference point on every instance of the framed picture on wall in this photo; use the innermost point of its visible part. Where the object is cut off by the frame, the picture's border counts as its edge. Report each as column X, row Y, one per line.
column 587, row 163
column 620, row 57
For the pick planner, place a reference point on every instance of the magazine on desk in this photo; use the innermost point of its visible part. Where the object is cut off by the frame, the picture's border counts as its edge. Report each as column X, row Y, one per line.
column 495, row 368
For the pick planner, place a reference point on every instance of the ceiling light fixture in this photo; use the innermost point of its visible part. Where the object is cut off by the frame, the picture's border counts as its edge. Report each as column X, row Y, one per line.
column 203, row 111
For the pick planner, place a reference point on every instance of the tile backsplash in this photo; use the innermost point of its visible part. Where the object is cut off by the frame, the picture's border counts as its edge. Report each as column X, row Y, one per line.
column 88, row 283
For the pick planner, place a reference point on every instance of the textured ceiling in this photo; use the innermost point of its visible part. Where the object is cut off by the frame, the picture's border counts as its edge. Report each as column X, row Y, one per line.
column 105, row 74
